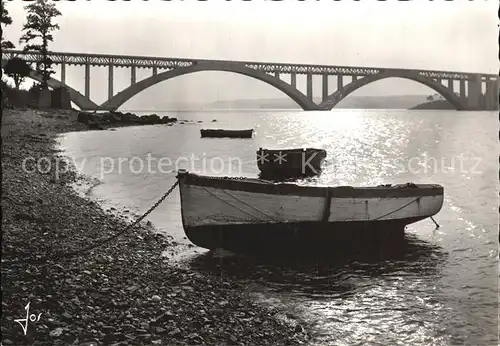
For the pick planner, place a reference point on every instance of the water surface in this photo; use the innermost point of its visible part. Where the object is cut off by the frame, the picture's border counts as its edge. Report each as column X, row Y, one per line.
column 439, row 288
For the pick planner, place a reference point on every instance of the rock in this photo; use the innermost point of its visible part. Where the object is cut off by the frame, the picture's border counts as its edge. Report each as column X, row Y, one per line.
column 67, row 316
column 85, row 118
column 145, row 336
column 151, row 119
column 167, row 120
column 107, row 329
column 94, row 126
column 299, row 329
column 164, row 317
column 56, row 332
column 109, row 338
column 156, row 298
column 192, row 336
column 175, row 332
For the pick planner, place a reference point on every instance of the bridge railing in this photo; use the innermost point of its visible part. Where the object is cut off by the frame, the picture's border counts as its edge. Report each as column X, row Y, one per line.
column 269, row 67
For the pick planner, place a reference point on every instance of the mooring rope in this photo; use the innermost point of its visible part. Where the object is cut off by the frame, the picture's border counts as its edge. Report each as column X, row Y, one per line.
column 392, row 212
column 249, row 205
column 231, row 205
column 404, row 206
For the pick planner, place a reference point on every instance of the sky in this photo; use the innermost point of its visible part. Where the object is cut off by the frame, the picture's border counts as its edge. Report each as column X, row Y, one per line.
column 458, row 35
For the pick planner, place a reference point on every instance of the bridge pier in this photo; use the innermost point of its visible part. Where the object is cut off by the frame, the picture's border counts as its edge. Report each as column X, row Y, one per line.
column 293, row 80
column 155, row 70
column 110, row 81
column 325, row 86
column 463, row 95
column 496, row 93
column 491, row 94
column 277, row 75
column 354, row 78
column 87, row 81
column 63, row 73
column 132, row 75
column 309, row 87
column 340, row 83
column 450, row 85
column 474, row 91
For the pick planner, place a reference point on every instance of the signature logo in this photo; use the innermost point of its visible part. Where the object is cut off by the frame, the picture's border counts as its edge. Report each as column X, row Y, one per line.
column 24, row 321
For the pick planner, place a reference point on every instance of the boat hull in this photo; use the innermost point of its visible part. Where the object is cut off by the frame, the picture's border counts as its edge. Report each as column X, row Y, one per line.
column 253, row 215
column 219, row 133
column 299, row 237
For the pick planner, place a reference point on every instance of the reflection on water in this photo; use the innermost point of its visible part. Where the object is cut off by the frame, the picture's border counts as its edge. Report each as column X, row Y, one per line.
column 386, row 283
column 439, row 287
column 315, row 274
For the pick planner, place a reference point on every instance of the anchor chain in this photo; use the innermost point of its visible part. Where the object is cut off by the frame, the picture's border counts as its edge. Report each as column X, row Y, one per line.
column 226, row 178
column 67, row 255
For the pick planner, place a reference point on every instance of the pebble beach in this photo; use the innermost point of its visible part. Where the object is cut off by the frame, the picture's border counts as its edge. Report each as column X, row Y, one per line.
column 125, row 292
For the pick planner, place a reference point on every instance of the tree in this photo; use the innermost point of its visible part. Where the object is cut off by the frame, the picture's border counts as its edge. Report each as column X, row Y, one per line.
column 17, row 69
column 39, row 26
column 5, row 20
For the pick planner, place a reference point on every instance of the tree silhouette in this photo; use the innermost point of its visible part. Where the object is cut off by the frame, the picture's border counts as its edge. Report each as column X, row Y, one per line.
column 5, row 20
column 17, row 69
column 39, row 26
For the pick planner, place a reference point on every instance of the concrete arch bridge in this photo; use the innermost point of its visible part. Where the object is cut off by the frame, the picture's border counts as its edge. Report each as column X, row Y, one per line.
column 470, row 95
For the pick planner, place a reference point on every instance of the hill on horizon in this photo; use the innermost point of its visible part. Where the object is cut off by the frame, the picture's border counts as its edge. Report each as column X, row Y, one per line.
column 373, row 102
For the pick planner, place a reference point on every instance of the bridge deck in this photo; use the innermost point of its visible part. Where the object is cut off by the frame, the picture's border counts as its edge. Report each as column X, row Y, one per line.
column 268, row 67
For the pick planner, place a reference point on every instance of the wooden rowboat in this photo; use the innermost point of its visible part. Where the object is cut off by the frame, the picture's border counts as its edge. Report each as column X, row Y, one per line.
column 290, row 162
column 243, row 214
column 220, row 133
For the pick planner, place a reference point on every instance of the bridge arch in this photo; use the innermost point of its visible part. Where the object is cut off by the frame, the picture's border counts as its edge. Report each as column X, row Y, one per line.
column 136, row 88
column 333, row 99
column 76, row 97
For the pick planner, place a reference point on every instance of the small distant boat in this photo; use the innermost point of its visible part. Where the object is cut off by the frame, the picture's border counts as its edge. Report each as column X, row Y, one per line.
column 290, row 162
column 221, row 133
column 248, row 215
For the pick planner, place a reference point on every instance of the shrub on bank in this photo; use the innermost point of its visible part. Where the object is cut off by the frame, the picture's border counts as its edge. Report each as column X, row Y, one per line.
column 18, row 98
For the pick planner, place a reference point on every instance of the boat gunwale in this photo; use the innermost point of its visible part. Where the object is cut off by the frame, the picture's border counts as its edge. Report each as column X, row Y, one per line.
column 267, row 187
column 224, row 130
column 297, row 150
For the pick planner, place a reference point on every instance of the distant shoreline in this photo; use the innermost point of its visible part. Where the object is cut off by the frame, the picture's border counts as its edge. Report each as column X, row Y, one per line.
column 350, row 102
column 437, row 104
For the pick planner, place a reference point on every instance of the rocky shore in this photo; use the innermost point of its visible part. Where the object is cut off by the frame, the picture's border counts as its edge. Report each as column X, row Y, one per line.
column 98, row 121
column 123, row 293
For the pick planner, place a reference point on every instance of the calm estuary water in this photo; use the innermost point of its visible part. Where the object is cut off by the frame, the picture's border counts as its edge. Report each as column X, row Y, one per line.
column 439, row 289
